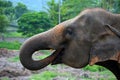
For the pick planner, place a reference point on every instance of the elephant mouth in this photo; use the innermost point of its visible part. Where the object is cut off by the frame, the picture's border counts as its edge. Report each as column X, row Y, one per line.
column 58, row 58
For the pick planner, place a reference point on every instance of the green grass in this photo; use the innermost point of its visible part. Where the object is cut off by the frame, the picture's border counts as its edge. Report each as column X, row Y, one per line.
column 40, row 57
column 46, row 75
column 45, row 54
column 10, row 45
column 109, row 73
column 50, row 75
column 99, row 69
column 4, row 78
column 13, row 34
column 14, row 59
column 105, row 75
column 94, row 68
column 45, row 51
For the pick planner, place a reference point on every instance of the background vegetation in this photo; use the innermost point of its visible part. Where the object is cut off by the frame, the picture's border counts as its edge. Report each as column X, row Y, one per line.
column 19, row 21
column 30, row 22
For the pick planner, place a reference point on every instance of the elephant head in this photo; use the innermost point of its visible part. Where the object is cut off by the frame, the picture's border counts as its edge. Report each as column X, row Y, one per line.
column 77, row 42
column 62, row 38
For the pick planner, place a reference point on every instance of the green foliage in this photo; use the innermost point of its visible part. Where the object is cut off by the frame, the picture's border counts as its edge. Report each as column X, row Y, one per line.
column 33, row 23
column 53, row 11
column 10, row 45
column 6, row 15
column 116, row 6
column 5, row 3
column 3, row 23
column 20, row 9
column 10, row 13
column 71, row 8
column 7, row 9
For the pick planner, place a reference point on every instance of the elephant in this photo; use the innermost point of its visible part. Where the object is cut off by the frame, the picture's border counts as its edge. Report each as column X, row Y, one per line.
column 77, row 42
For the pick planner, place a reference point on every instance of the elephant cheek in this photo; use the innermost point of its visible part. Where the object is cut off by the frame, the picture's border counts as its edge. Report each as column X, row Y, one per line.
column 75, row 59
column 76, row 54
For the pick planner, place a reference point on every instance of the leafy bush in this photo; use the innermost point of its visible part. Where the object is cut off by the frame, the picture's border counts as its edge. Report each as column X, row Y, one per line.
column 10, row 45
column 34, row 22
column 3, row 23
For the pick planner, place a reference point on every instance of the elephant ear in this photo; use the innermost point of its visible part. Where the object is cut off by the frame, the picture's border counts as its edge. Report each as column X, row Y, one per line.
column 113, row 30
column 105, row 47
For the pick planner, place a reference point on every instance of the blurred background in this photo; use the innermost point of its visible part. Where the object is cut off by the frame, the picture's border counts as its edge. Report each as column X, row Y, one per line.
column 20, row 19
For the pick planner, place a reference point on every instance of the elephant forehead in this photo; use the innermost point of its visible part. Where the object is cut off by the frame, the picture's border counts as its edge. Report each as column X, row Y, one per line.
column 57, row 33
column 59, row 29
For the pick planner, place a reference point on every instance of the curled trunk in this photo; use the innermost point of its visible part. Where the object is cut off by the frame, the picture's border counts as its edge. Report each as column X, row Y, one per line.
column 42, row 41
column 29, row 47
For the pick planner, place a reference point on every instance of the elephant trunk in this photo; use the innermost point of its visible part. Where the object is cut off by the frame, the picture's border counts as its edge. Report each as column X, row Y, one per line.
column 42, row 41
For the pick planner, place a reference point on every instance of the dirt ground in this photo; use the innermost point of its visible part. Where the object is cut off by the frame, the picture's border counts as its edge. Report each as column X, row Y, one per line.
column 15, row 71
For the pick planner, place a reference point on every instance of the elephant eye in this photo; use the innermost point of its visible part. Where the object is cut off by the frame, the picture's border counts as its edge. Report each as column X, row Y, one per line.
column 69, row 33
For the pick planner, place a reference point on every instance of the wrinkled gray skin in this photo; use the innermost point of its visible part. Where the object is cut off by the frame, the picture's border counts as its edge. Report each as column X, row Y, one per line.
column 77, row 42
column 114, row 30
